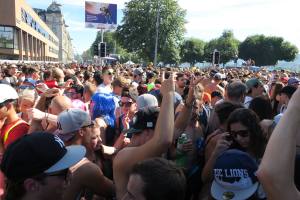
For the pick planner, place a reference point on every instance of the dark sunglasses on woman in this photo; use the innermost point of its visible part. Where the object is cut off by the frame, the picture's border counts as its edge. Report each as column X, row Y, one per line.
column 241, row 133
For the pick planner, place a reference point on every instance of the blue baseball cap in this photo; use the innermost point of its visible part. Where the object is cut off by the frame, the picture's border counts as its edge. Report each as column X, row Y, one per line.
column 234, row 176
column 293, row 81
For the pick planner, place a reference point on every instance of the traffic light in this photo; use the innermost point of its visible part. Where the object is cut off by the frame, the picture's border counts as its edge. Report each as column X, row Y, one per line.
column 216, row 57
column 102, row 49
column 96, row 49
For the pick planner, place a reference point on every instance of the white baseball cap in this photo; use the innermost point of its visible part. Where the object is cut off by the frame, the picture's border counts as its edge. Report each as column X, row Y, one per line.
column 7, row 93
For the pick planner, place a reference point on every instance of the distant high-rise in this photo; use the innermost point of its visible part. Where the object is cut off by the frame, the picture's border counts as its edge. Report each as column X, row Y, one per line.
column 55, row 20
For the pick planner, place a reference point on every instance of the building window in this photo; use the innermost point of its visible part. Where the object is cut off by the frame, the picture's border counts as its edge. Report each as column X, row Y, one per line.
column 29, row 20
column 6, row 37
column 52, row 50
column 16, row 39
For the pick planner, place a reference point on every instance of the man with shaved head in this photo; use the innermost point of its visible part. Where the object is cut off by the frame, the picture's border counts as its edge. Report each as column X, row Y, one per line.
column 44, row 115
column 59, row 104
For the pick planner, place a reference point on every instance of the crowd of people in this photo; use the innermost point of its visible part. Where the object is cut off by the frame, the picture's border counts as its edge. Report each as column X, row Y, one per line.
column 88, row 132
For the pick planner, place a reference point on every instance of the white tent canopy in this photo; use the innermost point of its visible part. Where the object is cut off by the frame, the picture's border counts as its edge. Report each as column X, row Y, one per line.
column 129, row 62
column 183, row 65
column 109, row 58
column 239, row 63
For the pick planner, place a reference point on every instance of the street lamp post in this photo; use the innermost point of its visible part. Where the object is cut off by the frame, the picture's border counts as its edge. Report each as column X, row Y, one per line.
column 157, row 32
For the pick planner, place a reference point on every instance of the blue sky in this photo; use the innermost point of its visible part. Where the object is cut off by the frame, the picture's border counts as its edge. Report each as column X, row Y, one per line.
column 206, row 19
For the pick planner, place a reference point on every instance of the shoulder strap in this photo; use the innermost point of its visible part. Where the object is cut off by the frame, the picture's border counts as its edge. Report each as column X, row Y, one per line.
column 7, row 132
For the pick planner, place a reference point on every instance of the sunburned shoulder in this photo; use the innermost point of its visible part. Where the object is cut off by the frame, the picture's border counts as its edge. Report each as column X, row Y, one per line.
column 85, row 168
column 126, row 152
column 124, row 156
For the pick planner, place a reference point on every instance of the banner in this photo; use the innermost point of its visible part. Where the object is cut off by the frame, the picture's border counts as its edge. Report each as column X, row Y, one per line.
column 100, row 15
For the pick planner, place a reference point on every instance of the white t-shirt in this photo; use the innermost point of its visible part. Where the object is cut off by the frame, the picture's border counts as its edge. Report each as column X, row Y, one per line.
column 247, row 101
column 106, row 89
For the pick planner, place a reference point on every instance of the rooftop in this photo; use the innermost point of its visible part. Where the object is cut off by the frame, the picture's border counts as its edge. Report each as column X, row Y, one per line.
column 54, row 7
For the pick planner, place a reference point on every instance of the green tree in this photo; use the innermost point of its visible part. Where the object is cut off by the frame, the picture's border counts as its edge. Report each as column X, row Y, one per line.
column 111, row 43
column 137, row 32
column 192, row 51
column 226, row 44
column 126, row 56
column 87, row 55
column 267, row 50
column 113, row 47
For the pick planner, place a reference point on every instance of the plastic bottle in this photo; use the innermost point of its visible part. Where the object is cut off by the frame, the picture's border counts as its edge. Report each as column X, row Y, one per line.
column 181, row 157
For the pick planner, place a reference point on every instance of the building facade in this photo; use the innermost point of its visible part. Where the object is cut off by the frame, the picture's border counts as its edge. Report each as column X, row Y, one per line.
column 53, row 17
column 24, row 35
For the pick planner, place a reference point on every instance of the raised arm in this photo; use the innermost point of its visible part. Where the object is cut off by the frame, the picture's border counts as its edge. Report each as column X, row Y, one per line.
column 157, row 145
column 276, row 172
column 185, row 115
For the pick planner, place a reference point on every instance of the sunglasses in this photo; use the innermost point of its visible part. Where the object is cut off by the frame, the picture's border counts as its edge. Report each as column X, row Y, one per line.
column 126, row 104
column 88, row 126
column 109, row 73
column 23, row 87
column 241, row 133
column 62, row 173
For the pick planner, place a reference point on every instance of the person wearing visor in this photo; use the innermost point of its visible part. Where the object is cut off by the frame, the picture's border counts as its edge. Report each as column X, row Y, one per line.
column 36, row 166
column 128, row 108
column 11, row 126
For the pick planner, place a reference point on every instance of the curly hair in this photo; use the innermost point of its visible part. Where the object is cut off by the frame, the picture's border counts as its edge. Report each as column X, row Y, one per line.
column 249, row 119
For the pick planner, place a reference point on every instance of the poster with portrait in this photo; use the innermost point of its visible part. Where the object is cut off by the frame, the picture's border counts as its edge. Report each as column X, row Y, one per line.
column 100, row 15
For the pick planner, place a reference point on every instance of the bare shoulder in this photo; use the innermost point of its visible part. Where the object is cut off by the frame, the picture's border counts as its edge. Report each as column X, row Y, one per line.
column 122, row 159
column 121, row 167
column 87, row 170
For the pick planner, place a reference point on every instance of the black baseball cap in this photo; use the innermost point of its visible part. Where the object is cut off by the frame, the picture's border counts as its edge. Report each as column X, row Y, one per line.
column 38, row 153
column 145, row 118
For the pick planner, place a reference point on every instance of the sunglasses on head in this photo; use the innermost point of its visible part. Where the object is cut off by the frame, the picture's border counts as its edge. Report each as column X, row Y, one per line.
column 241, row 133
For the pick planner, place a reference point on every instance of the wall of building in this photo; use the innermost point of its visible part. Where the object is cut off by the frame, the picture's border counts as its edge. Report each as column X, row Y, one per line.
column 32, row 38
column 57, row 24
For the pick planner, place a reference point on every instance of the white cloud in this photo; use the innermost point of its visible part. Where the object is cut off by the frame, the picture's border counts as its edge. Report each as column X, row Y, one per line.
column 207, row 19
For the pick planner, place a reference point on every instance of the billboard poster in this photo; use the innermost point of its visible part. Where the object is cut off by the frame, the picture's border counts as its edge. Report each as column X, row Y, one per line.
column 100, row 15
